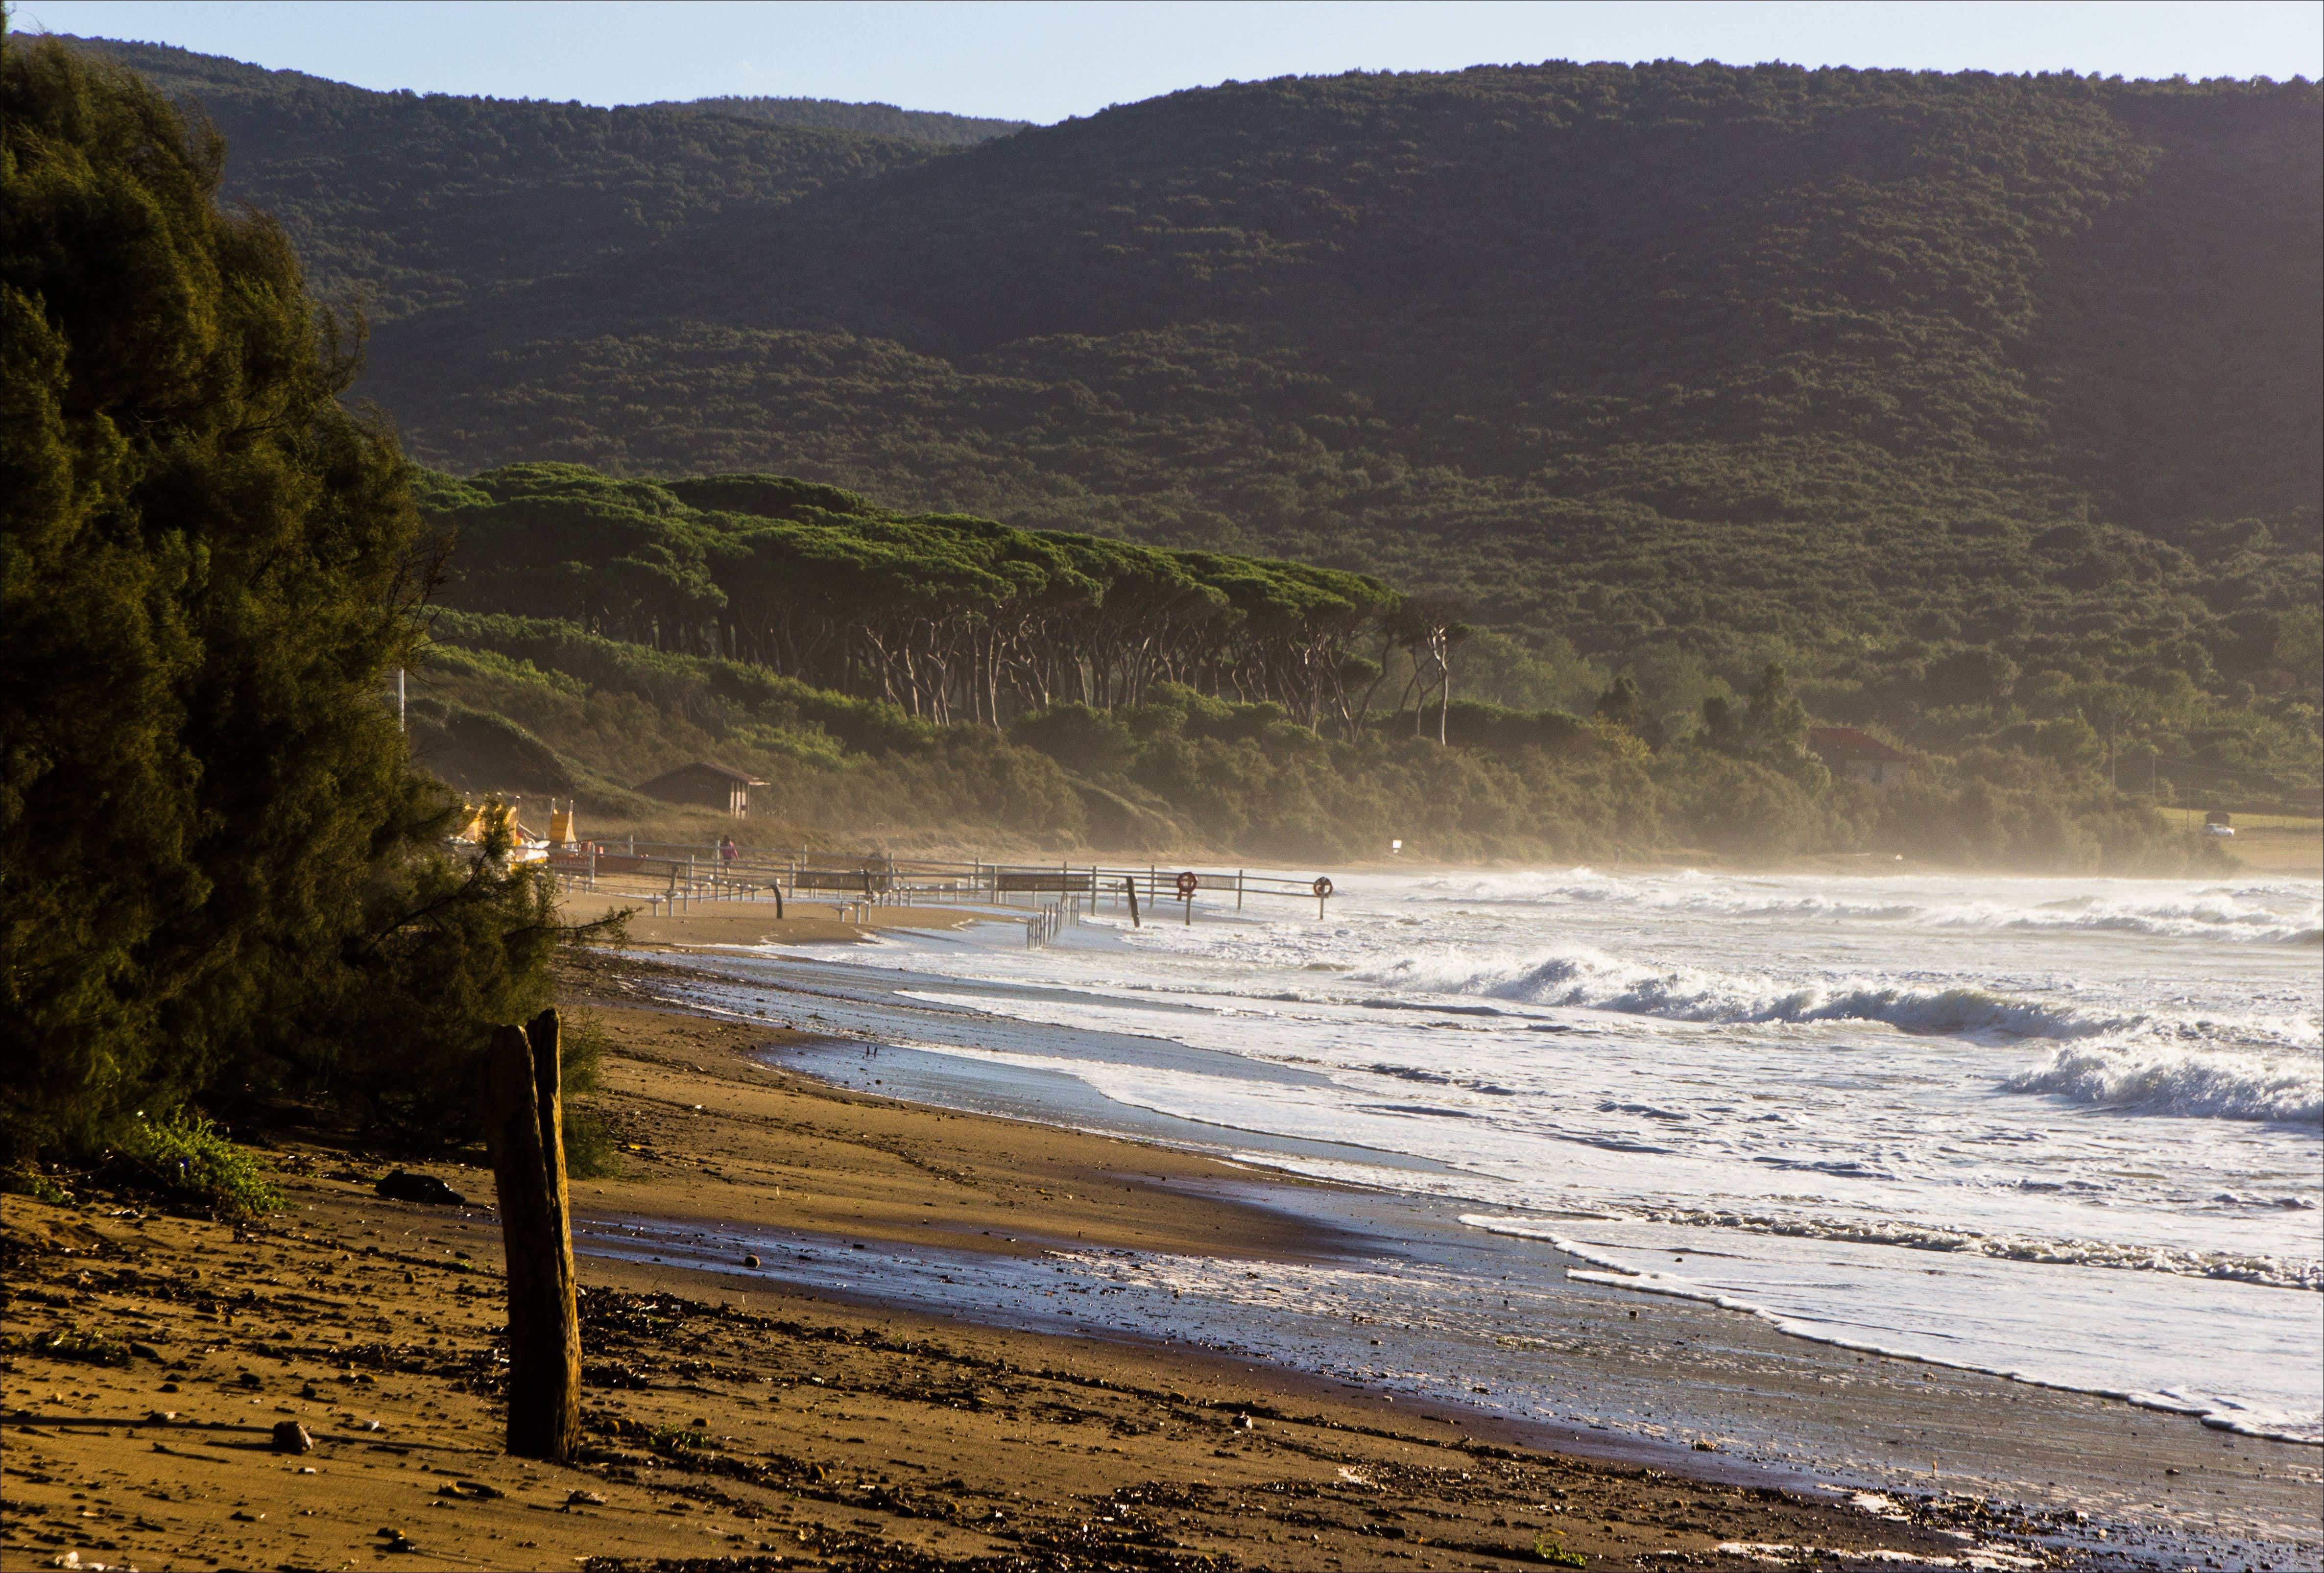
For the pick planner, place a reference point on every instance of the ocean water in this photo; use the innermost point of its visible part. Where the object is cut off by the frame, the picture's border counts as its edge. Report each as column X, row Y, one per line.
column 2069, row 1131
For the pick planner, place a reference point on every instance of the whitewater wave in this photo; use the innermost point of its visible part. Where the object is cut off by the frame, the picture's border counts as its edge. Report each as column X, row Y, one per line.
column 2162, row 1080
column 1591, row 980
column 2262, row 914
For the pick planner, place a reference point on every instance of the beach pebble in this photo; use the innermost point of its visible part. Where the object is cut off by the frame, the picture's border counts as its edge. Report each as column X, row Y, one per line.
column 291, row 1436
column 584, row 1499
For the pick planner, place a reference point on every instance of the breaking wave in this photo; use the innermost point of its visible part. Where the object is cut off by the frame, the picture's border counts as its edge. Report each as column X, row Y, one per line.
column 2163, row 1080
column 2254, row 914
column 1593, row 981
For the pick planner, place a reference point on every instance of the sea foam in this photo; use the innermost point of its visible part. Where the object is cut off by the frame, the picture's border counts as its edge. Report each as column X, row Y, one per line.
column 1589, row 978
column 2134, row 1080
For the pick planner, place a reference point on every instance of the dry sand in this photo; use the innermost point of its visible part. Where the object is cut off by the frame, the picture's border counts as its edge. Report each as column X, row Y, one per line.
column 728, row 1422
column 755, row 923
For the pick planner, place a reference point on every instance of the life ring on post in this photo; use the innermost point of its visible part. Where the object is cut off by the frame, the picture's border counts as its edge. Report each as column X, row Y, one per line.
column 1188, row 883
column 1323, row 885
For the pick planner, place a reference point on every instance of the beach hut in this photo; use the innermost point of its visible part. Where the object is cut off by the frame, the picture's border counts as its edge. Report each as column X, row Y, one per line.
column 704, row 785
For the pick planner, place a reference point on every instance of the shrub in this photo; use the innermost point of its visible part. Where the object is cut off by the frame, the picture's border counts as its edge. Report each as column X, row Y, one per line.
column 592, row 1151
column 190, row 1158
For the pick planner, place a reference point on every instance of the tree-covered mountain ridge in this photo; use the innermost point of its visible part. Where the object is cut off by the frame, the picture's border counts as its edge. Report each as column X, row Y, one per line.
column 838, row 115
column 1893, row 376
column 407, row 202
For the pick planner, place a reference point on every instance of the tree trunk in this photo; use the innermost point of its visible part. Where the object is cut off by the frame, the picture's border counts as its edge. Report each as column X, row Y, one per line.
column 525, row 1128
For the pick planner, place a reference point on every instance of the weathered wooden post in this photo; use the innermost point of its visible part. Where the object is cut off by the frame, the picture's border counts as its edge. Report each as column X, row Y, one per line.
column 1130, row 884
column 524, row 1129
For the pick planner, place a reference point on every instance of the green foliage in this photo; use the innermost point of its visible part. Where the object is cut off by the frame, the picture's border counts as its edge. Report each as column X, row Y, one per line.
column 1174, row 763
column 1772, row 729
column 942, row 616
column 878, row 119
column 397, row 1026
column 1859, row 393
column 218, row 874
column 420, row 201
column 25, row 1178
column 679, row 1440
column 592, row 1151
column 189, row 1158
column 1916, row 382
column 1551, row 1548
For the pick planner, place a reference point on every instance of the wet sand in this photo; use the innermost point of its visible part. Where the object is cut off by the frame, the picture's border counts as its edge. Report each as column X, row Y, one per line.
column 732, row 1416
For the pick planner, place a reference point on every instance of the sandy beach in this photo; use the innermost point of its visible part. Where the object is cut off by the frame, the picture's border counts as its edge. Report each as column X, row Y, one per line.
column 151, row 1355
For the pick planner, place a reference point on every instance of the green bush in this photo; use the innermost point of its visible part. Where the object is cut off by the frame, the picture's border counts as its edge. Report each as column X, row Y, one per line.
column 189, row 1158
column 27, row 1179
column 592, row 1150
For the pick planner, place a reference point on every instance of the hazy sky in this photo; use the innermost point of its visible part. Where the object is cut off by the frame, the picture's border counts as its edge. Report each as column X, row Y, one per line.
column 1043, row 59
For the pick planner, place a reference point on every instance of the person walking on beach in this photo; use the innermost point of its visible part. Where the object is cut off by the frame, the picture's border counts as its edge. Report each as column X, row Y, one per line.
column 726, row 849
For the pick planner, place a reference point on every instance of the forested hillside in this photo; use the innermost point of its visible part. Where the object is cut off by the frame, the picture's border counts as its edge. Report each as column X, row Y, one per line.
column 834, row 114
column 1945, row 390
column 410, row 203
column 887, row 672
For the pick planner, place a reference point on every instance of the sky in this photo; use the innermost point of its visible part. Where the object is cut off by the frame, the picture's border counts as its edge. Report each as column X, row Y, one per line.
column 1046, row 59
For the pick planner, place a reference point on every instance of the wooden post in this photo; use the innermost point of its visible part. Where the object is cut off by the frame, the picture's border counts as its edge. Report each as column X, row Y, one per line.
column 1130, row 885
column 524, row 1129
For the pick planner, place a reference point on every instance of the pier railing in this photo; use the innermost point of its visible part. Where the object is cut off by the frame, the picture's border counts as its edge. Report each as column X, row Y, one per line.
column 670, row 876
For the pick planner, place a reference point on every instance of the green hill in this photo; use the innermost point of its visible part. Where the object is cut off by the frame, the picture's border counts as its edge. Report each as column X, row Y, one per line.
column 416, row 202
column 834, row 114
column 1928, row 385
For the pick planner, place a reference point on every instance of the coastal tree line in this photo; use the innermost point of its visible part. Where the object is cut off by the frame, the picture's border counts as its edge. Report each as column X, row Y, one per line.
column 951, row 618
column 222, row 879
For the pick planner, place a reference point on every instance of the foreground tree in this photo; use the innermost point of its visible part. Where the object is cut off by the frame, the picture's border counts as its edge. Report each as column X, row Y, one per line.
column 215, row 863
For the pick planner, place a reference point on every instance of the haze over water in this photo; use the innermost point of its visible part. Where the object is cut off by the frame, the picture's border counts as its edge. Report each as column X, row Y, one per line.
column 2064, row 1129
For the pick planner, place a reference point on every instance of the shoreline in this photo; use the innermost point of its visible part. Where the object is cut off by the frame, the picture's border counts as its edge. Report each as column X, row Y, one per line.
column 151, row 1355
column 791, row 1426
column 2120, row 1458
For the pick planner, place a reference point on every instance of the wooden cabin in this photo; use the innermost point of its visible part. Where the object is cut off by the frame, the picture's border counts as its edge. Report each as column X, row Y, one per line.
column 703, row 784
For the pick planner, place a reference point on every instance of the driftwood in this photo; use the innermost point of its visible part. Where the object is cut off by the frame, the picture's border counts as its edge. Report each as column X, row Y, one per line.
column 524, row 1127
